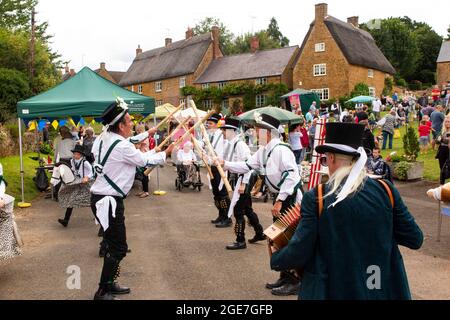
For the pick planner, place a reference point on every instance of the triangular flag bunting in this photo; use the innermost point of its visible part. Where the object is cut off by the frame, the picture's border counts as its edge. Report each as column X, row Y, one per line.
column 55, row 124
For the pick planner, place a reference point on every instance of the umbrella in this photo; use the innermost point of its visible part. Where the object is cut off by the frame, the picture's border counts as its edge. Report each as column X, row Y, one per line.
column 284, row 116
column 163, row 111
column 361, row 99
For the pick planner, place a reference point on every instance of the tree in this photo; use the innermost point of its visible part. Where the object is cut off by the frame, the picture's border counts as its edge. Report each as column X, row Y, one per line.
column 16, row 14
column 273, row 31
column 226, row 36
column 241, row 44
column 360, row 89
column 13, row 88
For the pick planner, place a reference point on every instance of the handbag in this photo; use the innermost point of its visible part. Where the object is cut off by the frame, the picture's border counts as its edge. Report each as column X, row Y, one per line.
column 445, row 172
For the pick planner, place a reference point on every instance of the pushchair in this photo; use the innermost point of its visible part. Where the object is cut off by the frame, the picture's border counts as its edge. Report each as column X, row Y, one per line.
column 188, row 176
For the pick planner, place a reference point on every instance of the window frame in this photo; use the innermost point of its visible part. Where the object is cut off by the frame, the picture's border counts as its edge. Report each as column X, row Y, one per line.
column 140, row 89
column 370, row 73
column 207, row 103
column 372, row 91
column 158, row 86
column 319, row 47
column 321, row 93
column 260, row 102
column 322, row 67
column 261, row 81
column 182, row 80
column 205, row 85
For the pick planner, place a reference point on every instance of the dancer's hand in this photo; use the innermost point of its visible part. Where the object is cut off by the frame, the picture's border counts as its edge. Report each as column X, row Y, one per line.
column 218, row 162
column 85, row 180
column 151, row 131
column 276, row 209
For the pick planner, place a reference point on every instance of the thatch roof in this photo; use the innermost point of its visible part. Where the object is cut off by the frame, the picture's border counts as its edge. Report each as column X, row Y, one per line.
column 179, row 58
column 265, row 63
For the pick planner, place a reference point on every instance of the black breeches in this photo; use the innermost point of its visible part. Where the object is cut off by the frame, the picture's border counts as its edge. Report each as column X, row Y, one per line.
column 244, row 208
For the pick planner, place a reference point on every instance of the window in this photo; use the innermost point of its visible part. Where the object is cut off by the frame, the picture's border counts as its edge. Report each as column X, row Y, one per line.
column 320, row 69
column 320, row 47
column 221, row 85
column 208, row 104
column 260, row 81
column 182, row 82
column 140, row 89
column 260, row 100
column 159, row 103
column 132, row 88
column 205, row 85
column 370, row 73
column 372, row 91
column 225, row 105
column 158, row 86
column 324, row 94
column 183, row 101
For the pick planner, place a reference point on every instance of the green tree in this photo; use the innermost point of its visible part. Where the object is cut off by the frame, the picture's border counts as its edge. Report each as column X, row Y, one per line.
column 241, row 44
column 13, row 88
column 16, row 14
column 360, row 89
column 226, row 36
column 273, row 31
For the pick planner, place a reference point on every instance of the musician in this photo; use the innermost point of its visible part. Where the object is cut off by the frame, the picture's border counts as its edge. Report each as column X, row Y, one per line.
column 276, row 161
column 116, row 160
column 237, row 150
column 349, row 249
column 77, row 194
column 221, row 198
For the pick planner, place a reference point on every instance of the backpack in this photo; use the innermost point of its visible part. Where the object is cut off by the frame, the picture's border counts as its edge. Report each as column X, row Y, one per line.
column 41, row 179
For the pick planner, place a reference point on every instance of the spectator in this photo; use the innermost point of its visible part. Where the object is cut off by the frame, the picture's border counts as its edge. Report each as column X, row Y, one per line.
column 304, row 140
column 75, row 134
column 312, row 133
column 428, row 110
column 423, row 100
column 424, row 136
column 443, row 142
column 377, row 166
column 437, row 119
column 143, row 146
column 88, row 142
column 336, row 110
column 310, row 115
column 64, row 145
column 427, row 120
column 368, row 141
column 435, row 94
column 387, row 128
column 395, row 98
column 295, row 141
column 376, row 108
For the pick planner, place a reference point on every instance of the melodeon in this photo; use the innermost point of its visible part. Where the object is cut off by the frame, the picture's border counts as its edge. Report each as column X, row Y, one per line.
column 282, row 230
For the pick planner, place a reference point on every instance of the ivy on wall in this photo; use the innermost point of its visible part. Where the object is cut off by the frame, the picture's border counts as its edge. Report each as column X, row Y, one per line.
column 247, row 91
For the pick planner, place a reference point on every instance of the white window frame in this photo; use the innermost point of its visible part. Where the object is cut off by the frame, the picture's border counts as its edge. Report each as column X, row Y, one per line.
column 324, row 93
column 227, row 106
column 222, row 84
column 205, row 85
column 370, row 73
column 321, row 69
column 319, row 47
column 207, row 104
column 158, row 86
column 159, row 103
column 261, row 81
column 260, row 100
column 139, row 89
column 132, row 88
column 182, row 82
column 372, row 91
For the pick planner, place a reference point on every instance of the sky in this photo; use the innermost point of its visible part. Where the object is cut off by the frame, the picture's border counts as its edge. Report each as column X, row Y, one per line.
column 87, row 32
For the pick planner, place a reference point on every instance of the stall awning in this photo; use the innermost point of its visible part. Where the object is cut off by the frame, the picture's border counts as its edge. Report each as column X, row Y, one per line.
column 85, row 94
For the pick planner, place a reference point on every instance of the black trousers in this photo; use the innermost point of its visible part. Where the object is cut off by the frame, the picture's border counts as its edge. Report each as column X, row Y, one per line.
column 114, row 244
column 243, row 208
column 221, row 198
column 145, row 183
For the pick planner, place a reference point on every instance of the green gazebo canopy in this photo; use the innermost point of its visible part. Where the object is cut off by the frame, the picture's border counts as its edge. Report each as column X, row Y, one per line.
column 85, row 94
column 306, row 98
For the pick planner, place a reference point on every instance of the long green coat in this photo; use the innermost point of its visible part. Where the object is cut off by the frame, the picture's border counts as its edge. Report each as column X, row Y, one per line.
column 341, row 252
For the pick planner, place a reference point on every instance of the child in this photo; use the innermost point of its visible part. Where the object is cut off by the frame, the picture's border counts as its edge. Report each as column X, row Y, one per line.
column 424, row 136
column 76, row 194
column 186, row 158
column 377, row 166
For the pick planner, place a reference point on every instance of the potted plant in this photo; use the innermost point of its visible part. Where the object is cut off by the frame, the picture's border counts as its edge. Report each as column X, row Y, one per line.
column 406, row 167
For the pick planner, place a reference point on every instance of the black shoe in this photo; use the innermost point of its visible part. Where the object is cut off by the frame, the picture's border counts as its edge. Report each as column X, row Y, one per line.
column 224, row 223
column 216, row 221
column 63, row 222
column 117, row 289
column 237, row 246
column 105, row 296
column 280, row 282
column 289, row 289
column 257, row 237
column 101, row 253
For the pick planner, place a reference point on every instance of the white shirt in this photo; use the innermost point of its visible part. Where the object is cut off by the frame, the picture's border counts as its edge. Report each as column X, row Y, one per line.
column 64, row 149
column 217, row 142
column 237, row 150
column 86, row 169
column 186, row 156
column 122, row 162
column 280, row 163
column 294, row 140
column 376, row 105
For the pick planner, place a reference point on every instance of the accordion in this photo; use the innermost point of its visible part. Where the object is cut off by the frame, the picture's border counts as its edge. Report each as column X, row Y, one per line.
column 282, row 230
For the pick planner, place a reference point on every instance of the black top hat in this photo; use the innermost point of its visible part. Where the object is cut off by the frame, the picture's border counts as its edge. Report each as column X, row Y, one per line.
column 268, row 122
column 342, row 137
column 231, row 123
column 112, row 112
column 215, row 117
column 80, row 149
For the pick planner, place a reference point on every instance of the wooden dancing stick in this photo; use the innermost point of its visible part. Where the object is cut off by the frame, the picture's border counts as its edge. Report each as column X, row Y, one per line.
column 169, row 116
column 211, row 150
column 200, row 151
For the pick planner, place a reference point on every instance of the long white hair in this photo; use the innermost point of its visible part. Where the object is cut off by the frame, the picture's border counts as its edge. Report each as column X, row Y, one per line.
column 342, row 173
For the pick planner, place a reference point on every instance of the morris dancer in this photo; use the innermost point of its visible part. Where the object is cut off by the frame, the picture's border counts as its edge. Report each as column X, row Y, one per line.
column 221, row 198
column 354, row 238
column 237, row 150
column 76, row 194
column 276, row 161
column 116, row 160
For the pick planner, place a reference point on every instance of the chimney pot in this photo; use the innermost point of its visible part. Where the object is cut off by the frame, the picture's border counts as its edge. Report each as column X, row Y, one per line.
column 254, row 44
column 138, row 50
column 321, row 11
column 102, row 65
column 354, row 21
column 66, row 68
column 189, row 33
column 72, row 72
column 168, row 41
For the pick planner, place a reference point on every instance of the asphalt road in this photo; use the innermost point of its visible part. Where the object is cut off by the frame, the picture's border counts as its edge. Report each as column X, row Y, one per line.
column 178, row 254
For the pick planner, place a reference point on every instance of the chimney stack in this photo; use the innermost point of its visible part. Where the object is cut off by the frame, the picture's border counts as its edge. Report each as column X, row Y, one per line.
column 254, row 44
column 138, row 50
column 189, row 33
column 215, row 32
column 321, row 11
column 168, row 41
column 72, row 72
column 354, row 21
column 102, row 66
column 66, row 68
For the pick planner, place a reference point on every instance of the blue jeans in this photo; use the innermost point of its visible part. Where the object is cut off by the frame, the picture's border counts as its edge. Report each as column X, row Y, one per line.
column 297, row 154
column 385, row 137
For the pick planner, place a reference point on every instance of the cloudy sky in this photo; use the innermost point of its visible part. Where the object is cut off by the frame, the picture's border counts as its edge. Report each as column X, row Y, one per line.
column 87, row 32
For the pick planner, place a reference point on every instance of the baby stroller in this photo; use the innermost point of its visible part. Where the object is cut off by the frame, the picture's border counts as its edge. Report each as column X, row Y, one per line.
column 188, row 176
